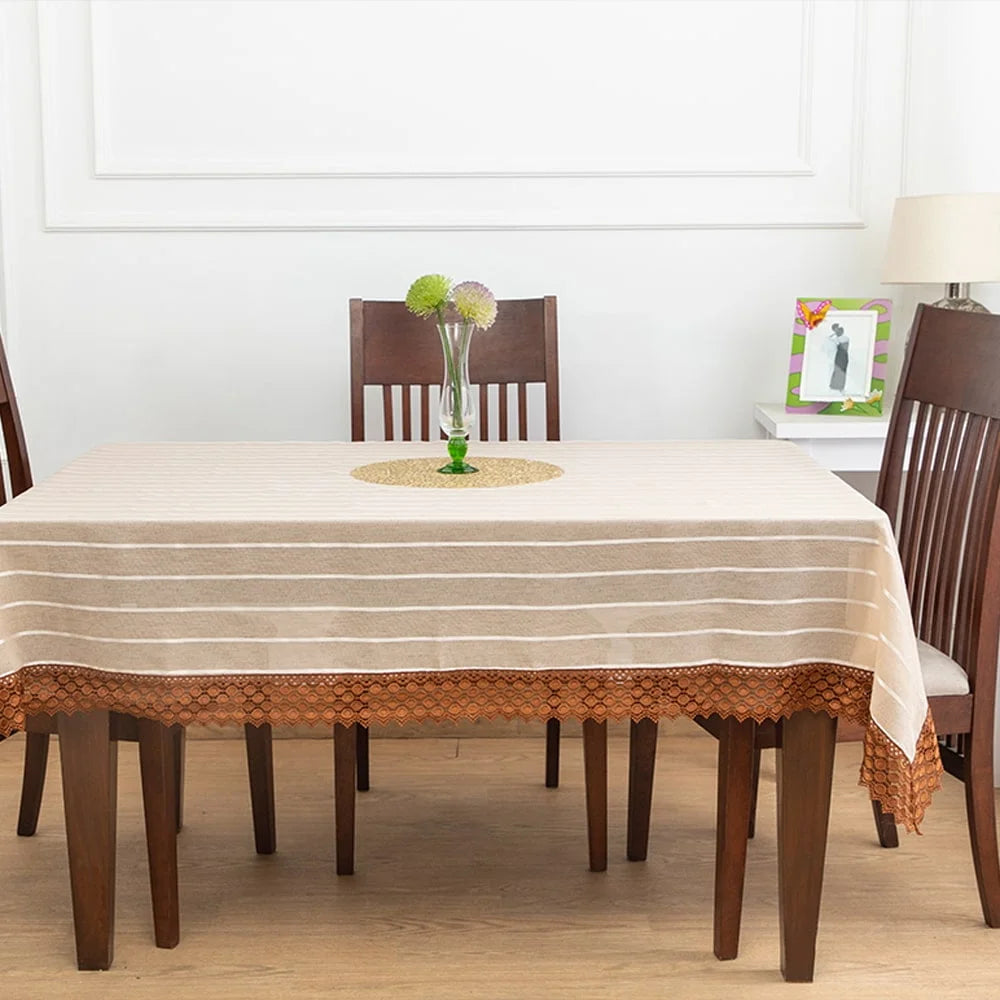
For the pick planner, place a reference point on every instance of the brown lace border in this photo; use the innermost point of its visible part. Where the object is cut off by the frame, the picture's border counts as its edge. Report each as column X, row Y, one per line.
column 614, row 693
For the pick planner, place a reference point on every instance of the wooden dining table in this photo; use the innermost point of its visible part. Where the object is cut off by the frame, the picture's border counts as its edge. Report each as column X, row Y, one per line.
column 228, row 583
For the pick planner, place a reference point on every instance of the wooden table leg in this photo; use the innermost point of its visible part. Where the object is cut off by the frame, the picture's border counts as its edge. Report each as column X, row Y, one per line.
column 805, row 778
column 89, row 761
column 595, row 770
column 641, row 764
column 735, row 790
column 157, row 765
column 344, row 765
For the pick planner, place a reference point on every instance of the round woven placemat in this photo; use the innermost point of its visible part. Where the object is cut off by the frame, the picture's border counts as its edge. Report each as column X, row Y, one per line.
column 422, row 473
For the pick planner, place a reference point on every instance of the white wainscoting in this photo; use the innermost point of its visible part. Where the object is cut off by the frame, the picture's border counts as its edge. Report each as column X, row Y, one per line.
column 347, row 115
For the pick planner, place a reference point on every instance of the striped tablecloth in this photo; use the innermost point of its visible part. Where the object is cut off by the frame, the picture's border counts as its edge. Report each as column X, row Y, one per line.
column 233, row 582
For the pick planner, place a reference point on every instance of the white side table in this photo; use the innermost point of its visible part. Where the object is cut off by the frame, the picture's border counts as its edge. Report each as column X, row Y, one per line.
column 842, row 444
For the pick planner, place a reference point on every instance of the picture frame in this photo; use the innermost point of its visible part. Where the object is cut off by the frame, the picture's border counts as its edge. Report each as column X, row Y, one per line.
column 838, row 357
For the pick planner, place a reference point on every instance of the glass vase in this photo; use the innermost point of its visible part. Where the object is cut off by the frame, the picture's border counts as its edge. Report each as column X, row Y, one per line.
column 457, row 410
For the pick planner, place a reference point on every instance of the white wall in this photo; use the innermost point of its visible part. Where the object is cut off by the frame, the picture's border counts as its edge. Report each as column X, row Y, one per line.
column 192, row 191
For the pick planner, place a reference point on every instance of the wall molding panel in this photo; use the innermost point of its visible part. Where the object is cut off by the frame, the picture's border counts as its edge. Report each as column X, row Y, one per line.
column 111, row 162
column 125, row 148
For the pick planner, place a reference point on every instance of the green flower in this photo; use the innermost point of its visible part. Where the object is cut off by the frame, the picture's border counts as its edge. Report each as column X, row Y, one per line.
column 475, row 303
column 428, row 294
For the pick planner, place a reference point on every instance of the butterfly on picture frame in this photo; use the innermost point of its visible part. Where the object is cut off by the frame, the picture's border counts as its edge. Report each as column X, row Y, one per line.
column 812, row 318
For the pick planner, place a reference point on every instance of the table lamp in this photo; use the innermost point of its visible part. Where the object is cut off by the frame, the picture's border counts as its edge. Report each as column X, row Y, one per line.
column 949, row 239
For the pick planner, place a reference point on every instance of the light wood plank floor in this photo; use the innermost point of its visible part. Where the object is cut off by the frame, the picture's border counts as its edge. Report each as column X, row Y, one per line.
column 472, row 881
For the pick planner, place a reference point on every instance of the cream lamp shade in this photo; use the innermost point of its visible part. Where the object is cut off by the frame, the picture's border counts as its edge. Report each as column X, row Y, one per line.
column 951, row 239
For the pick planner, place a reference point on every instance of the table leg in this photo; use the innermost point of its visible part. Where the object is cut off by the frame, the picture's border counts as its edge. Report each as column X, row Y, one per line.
column 735, row 790
column 805, row 778
column 89, row 761
column 344, row 767
column 595, row 770
column 157, row 765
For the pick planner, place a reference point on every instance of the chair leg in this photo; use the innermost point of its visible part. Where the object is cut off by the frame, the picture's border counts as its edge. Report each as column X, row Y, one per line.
column 157, row 765
column 178, row 739
column 595, row 769
column 345, row 744
column 361, row 756
column 754, row 788
column 885, row 826
column 735, row 794
column 36, row 756
column 641, row 763
column 552, row 728
column 260, row 766
column 981, row 810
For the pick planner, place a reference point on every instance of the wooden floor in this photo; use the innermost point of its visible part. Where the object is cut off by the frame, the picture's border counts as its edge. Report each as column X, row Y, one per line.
column 472, row 881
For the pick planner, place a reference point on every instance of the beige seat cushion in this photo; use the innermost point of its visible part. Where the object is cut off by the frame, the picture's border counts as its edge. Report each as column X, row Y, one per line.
column 942, row 675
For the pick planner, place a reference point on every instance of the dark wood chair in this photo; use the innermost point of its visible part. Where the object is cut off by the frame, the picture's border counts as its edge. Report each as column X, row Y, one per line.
column 401, row 353
column 941, row 491
column 161, row 748
column 398, row 351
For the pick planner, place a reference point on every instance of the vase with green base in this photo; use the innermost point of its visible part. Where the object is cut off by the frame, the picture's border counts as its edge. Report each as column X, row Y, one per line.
column 459, row 310
column 457, row 410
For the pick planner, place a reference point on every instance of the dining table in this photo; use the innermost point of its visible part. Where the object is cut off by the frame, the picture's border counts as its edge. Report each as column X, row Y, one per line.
column 334, row 583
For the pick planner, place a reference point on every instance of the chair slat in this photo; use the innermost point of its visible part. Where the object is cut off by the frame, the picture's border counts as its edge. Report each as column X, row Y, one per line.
column 425, row 413
column 929, row 485
column 503, row 415
column 484, row 412
column 522, row 411
column 890, row 479
column 387, row 421
column 406, row 406
column 965, row 473
column 919, row 457
column 941, row 549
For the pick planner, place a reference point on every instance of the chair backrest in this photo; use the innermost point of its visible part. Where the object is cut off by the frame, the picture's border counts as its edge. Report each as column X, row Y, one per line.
column 391, row 347
column 941, row 489
column 13, row 436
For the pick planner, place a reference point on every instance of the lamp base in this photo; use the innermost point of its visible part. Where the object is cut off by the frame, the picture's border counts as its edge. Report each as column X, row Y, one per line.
column 958, row 298
column 962, row 305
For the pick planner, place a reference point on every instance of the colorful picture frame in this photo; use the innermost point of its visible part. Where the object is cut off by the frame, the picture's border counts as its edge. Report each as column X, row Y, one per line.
column 839, row 355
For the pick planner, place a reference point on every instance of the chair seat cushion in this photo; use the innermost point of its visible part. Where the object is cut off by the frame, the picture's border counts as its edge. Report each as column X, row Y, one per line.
column 942, row 675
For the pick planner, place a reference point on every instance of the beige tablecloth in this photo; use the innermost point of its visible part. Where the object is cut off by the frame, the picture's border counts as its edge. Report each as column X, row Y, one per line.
column 260, row 581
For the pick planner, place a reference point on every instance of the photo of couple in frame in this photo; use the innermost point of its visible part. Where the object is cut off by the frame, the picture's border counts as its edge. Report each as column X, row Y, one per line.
column 839, row 355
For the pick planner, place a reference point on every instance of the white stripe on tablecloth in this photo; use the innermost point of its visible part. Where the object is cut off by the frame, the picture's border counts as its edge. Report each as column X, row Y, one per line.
column 431, row 544
column 326, row 639
column 391, row 609
column 695, row 571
